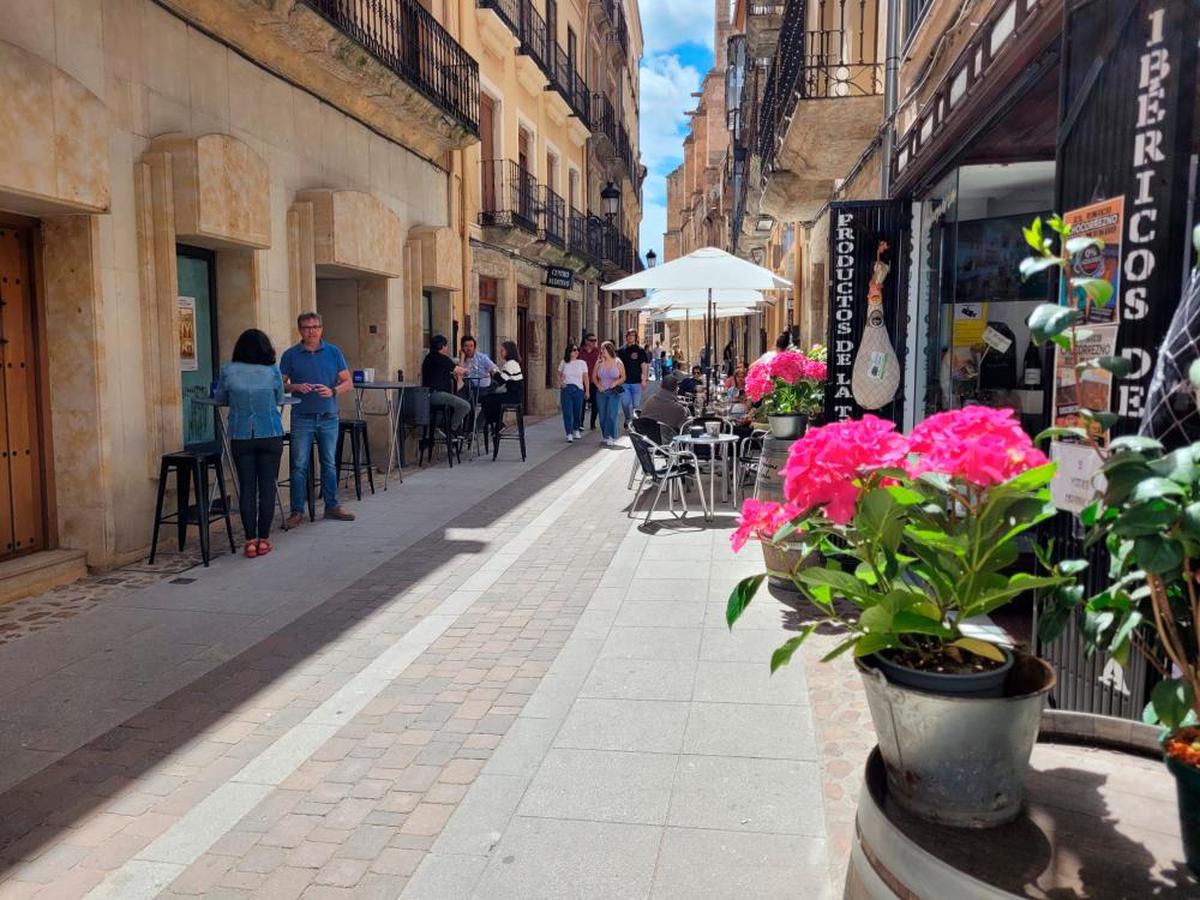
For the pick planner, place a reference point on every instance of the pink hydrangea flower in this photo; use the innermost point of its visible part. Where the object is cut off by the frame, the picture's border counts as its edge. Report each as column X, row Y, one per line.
column 760, row 519
column 825, row 466
column 758, row 383
column 977, row 444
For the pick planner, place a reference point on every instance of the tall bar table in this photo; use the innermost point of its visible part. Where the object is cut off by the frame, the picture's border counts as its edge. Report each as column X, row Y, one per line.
column 394, row 394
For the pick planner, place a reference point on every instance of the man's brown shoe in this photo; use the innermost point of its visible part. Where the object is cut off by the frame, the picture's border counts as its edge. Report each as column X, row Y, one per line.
column 295, row 520
column 340, row 514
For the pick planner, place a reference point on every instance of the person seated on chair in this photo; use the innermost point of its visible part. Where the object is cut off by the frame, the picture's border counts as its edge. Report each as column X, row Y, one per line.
column 439, row 373
column 664, row 407
column 511, row 388
column 478, row 364
column 735, row 385
column 690, row 383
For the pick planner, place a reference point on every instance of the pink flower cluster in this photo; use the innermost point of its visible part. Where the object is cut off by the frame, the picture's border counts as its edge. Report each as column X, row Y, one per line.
column 788, row 366
column 824, row 466
column 977, row 444
column 761, row 519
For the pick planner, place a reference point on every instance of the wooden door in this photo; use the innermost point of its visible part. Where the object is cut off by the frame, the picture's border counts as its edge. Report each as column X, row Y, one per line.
column 487, row 144
column 22, row 494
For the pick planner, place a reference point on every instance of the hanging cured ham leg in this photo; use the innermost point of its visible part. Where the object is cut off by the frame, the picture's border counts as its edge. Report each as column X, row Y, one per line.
column 876, row 375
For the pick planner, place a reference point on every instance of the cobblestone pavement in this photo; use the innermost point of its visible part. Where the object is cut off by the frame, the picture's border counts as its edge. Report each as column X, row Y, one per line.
column 494, row 685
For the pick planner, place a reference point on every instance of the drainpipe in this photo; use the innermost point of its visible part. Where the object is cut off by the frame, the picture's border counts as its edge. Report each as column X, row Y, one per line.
column 891, row 71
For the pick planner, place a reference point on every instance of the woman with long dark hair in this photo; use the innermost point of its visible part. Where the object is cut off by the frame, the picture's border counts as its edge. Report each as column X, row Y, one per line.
column 572, row 383
column 252, row 387
column 510, row 389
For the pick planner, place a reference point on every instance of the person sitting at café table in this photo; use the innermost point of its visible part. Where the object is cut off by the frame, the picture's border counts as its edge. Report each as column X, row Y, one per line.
column 478, row 364
column 690, row 383
column 510, row 390
column 439, row 373
column 735, row 385
column 663, row 406
column 316, row 372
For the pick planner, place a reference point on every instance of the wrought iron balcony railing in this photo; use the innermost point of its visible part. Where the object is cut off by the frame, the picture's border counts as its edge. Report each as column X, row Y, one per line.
column 577, row 234
column 827, row 49
column 554, row 218
column 411, row 43
column 509, row 195
column 560, row 69
column 606, row 122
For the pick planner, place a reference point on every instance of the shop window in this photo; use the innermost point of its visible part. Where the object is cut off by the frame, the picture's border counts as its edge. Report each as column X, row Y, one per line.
column 914, row 11
column 198, row 366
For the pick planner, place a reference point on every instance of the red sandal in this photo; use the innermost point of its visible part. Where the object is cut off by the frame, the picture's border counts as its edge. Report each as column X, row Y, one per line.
column 265, row 547
column 251, row 549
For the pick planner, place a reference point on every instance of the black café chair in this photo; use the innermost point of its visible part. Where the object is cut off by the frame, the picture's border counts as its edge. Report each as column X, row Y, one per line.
column 360, row 454
column 663, row 467
column 500, row 433
column 192, row 468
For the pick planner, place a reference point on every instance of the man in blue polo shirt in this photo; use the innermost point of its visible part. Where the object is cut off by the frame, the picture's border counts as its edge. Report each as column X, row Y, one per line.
column 315, row 372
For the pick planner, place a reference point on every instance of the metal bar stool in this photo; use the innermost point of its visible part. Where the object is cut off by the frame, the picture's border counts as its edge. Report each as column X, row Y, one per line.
column 192, row 469
column 360, row 453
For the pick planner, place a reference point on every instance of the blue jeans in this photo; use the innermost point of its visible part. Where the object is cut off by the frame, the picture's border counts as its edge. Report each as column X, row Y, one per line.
column 323, row 427
column 631, row 400
column 609, row 403
column 571, row 401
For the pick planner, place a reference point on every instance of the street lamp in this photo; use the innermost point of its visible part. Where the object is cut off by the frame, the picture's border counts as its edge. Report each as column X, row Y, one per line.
column 651, row 259
column 611, row 195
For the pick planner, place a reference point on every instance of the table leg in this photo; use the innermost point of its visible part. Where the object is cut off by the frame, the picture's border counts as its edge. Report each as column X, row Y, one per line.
column 391, row 454
column 228, row 453
column 396, row 431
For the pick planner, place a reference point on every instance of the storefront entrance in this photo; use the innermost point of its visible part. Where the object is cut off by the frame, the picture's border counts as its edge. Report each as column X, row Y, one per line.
column 197, row 340
column 22, row 492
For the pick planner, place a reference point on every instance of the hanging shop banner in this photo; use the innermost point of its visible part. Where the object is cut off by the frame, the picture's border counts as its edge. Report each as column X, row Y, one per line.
column 1105, row 221
column 188, row 360
column 868, row 258
column 560, row 278
column 1090, row 388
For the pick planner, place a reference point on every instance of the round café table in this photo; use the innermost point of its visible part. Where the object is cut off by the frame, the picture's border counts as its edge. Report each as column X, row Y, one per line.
column 719, row 449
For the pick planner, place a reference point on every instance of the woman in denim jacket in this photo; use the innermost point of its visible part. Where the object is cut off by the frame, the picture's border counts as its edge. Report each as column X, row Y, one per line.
column 253, row 389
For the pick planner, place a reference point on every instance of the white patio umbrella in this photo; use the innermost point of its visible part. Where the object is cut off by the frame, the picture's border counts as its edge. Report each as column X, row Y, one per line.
column 721, row 312
column 672, row 298
column 707, row 269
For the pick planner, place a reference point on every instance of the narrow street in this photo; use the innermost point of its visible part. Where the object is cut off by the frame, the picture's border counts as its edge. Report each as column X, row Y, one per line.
column 493, row 684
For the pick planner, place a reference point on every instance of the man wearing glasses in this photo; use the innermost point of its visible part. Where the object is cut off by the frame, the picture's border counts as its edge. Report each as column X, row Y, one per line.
column 316, row 372
column 589, row 353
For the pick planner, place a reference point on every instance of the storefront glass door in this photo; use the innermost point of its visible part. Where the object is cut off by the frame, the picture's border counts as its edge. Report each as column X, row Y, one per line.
column 197, row 342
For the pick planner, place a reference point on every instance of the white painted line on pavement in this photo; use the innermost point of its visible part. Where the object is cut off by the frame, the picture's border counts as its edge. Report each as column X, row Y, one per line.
column 152, row 869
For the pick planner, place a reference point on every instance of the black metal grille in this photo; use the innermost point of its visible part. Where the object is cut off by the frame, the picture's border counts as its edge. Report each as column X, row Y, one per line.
column 411, row 43
column 530, row 27
column 577, row 235
column 554, row 218
column 607, row 123
column 827, row 49
column 509, row 195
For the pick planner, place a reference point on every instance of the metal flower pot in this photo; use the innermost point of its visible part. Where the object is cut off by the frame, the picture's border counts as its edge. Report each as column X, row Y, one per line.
column 982, row 684
column 788, row 428
column 959, row 760
column 1187, row 787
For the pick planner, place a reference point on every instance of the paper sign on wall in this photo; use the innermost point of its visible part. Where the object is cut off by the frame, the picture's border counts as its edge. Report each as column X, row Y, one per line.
column 997, row 341
column 188, row 360
column 1077, row 481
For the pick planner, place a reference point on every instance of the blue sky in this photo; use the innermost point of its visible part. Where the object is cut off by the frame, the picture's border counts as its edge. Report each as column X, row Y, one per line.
column 678, row 52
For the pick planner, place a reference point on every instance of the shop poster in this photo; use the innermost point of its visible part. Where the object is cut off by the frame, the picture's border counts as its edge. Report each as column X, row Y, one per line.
column 1077, row 481
column 1093, row 387
column 1105, row 221
column 188, row 361
column 966, row 337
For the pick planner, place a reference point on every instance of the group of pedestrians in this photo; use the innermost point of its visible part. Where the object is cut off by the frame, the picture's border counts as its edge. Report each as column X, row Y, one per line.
column 611, row 381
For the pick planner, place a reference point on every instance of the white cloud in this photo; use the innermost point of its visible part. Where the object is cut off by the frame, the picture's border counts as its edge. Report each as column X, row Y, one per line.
column 667, row 23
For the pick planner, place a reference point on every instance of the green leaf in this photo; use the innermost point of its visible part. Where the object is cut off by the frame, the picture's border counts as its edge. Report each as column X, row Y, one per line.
column 979, row 648
column 1050, row 319
column 1059, row 225
column 873, row 643
column 1190, row 521
column 1094, row 624
column 1135, row 442
column 1171, row 700
column 1079, row 244
column 1031, row 479
column 1033, row 235
column 1146, row 518
column 1118, row 365
column 875, row 619
column 742, row 594
column 911, row 622
column 1122, row 635
column 1056, row 432
column 1158, row 555
column 1098, row 290
column 1061, row 341
column 1194, row 368
column 841, row 648
column 1154, row 488
column 904, row 496
column 1104, row 419
column 1031, row 265
column 843, row 582
column 783, row 653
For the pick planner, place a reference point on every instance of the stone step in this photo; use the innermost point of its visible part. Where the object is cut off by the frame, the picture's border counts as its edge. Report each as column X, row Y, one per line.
column 37, row 572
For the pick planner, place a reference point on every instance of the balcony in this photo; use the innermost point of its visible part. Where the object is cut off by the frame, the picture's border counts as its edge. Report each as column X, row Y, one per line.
column 616, row 251
column 554, row 219
column 763, row 21
column 608, row 127
column 410, row 43
column 536, row 42
column 509, row 210
column 822, row 103
column 613, row 12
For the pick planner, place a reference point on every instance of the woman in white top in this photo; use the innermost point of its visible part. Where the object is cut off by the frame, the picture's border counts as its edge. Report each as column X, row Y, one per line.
column 511, row 387
column 572, row 379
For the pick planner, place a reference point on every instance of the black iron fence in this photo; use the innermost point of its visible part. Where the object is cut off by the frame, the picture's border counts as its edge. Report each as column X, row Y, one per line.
column 509, row 195
column 827, row 49
column 411, row 43
column 560, row 69
column 606, row 122
column 554, row 218
column 577, row 235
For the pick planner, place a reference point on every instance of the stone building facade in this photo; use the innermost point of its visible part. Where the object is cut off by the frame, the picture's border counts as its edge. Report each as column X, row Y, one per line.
column 174, row 173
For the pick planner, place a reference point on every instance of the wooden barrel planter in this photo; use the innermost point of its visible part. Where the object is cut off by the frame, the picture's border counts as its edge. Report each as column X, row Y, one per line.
column 1099, row 820
column 786, row 557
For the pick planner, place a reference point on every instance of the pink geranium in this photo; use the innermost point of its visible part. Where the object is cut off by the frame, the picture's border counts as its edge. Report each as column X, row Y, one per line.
column 825, row 467
column 761, row 519
column 977, row 444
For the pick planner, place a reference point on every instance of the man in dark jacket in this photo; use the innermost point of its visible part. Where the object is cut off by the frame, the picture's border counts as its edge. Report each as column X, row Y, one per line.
column 664, row 406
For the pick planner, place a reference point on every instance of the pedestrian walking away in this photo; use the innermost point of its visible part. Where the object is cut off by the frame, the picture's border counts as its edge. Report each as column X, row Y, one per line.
column 314, row 371
column 572, row 377
column 609, row 381
column 589, row 353
column 252, row 387
column 637, row 373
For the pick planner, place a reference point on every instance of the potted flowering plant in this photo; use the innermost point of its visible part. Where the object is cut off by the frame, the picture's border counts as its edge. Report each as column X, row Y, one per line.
column 918, row 535
column 1147, row 517
column 791, row 387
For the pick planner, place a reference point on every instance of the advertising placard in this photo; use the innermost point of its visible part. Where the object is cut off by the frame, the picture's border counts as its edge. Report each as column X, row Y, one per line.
column 1105, row 221
column 1091, row 388
column 188, row 361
